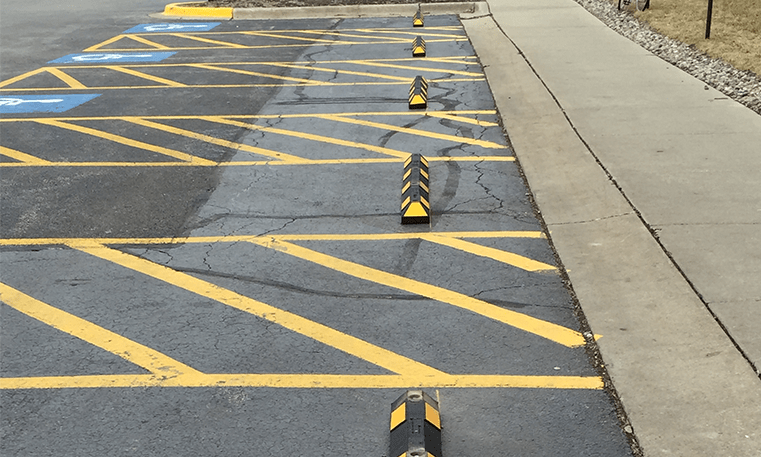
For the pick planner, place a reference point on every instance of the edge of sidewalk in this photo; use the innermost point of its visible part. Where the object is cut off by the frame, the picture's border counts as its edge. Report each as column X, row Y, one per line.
column 186, row 11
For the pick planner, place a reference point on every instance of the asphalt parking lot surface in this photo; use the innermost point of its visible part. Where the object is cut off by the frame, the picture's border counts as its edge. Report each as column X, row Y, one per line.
column 202, row 251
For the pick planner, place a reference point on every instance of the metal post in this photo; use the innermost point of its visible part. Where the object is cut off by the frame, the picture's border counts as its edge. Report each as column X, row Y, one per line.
column 708, row 19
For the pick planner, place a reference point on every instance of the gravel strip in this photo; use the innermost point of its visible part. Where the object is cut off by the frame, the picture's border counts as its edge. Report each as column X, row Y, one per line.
column 742, row 86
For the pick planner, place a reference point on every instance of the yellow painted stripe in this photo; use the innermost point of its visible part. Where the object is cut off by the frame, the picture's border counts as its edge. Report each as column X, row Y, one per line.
column 210, row 41
column 71, row 82
column 126, row 141
column 369, row 36
column 544, row 329
column 136, row 353
column 244, row 116
column 509, row 258
column 294, row 237
column 142, row 75
column 416, row 132
column 218, row 141
column 22, row 77
column 398, row 416
column 343, row 72
column 256, row 73
column 25, row 159
column 111, row 40
column 247, row 163
column 146, row 41
column 463, row 119
column 406, row 67
column 326, row 335
column 307, row 381
column 312, row 137
column 287, row 37
column 276, row 46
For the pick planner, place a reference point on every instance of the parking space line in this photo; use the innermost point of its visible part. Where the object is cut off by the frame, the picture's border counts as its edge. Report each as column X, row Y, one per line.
column 527, row 234
column 22, row 77
column 509, row 258
column 22, row 157
column 464, row 119
column 351, row 345
column 544, row 329
column 416, row 132
column 140, row 74
column 296, row 38
column 73, row 83
column 344, row 72
column 407, row 67
column 218, row 141
column 208, row 40
column 310, row 136
column 307, row 381
column 142, row 356
column 126, row 141
column 304, row 81
column 148, row 42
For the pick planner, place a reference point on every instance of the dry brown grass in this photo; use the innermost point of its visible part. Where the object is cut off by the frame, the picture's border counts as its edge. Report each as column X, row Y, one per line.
column 735, row 29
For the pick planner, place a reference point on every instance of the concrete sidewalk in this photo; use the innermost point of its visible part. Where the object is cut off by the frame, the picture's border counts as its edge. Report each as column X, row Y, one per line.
column 648, row 181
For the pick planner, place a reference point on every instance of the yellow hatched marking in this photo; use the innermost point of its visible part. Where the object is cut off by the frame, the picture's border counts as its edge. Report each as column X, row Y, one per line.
column 308, row 381
column 111, row 40
column 72, row 83
column 326, row 335
column 364, row 37
column 344, row 72
column 210, row 41
column 142, row 75
column 416, row 132
column 146, row 41
column 544, row 329
column 251, row 163
column 423, row 32
column 309, row 136
column 22, row 77
column 255, row 73
column 463, row 119
column 290, row 37
column 136, row 353
column 406, row 67
column 218, row 141
column 240, row 238
column 509, row 258
column 126, row 141
column 25, row 159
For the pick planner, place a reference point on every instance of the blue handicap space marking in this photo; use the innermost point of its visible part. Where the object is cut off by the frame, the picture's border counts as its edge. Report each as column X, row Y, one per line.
column 18, row 104
column 173, row 27
column 114, row 57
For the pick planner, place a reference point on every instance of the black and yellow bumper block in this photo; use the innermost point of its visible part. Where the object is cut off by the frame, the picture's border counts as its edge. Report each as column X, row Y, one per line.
column 416, row 208
column 415, row 426
column 417, row 19
column 419, row 93
column 418, row 47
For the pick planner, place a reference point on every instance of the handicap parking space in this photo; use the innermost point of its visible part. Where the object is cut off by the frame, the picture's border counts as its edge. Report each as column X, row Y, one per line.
column 216, row 251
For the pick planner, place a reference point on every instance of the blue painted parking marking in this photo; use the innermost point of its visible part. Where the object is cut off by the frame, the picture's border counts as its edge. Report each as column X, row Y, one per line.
column 58, row 103
column 114, row 57
column 173, row 27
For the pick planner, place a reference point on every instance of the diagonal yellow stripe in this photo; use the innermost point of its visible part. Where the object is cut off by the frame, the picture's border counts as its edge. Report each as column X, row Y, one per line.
column 207, row 40
column 406, row 67
column 322, row 333
column 106, row 43
column 70, row 81
column 126, row 141
column 24, row 158
column 463, row 119
column 343, row 72
column 519, row 261
column 142, row 75
column 544, row 329
column 256, row 73
column 18, row 78
column 416, row 132
column 312, row 137
column 140, row 355
column 218, row 141
column 146, row 41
